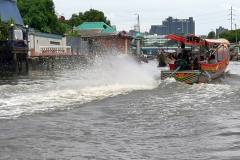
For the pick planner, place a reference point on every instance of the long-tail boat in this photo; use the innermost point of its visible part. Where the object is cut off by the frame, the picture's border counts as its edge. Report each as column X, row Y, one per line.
column 183, row 71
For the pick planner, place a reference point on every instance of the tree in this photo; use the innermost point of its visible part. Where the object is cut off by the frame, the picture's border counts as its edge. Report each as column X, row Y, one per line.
column 89, row 16
column 40, row 15
column 95, row 16
column 211, row 35
column 5, row 28
column 75, row 20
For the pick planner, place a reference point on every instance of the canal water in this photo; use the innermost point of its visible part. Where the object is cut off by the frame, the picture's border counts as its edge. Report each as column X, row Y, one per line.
column 117, row 109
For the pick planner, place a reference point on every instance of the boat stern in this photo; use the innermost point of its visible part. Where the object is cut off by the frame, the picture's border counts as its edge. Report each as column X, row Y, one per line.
column 185, row 76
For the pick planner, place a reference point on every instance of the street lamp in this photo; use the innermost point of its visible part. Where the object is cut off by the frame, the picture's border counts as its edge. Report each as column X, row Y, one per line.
column 12, row 35
column 138, row 23
column 27, row 33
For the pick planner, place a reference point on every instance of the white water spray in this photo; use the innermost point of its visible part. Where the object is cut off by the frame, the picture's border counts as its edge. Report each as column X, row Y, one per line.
column 107, row 76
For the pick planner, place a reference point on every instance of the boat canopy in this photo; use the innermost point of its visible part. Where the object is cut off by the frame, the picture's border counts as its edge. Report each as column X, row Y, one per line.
column 217, row 41
column 170, row 51
column 185, row 38
column 192, row 39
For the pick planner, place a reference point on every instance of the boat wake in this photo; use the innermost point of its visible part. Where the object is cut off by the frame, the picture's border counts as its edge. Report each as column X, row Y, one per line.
column 229, row 79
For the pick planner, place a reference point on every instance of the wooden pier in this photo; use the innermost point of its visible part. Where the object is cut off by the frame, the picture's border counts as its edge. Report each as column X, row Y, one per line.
column 13, row 56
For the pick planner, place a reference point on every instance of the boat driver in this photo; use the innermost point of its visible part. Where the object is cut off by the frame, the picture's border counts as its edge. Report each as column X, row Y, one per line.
column 180, row 51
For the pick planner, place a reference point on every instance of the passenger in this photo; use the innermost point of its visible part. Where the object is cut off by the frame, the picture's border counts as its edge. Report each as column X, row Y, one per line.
column 180, row 51
column 208, row 58
column 201, row 60
column 195, row 64
column 213, row 60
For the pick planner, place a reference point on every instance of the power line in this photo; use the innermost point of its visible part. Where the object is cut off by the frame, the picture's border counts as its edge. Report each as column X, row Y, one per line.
column 210, row 18
column 210, row 22
column 208, row 14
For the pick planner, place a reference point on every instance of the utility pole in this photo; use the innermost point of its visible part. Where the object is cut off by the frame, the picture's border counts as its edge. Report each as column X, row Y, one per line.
column 138, row 23
column 231, row 16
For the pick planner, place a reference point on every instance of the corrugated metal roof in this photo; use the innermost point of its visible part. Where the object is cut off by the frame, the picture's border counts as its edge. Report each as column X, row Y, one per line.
column 96, row 25
column 9, row 9
column 47, row 35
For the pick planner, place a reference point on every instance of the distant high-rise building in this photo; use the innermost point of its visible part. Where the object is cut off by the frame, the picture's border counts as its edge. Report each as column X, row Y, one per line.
column 171, row 25
column 220, row 30
column 114, row 27
column 132, row 33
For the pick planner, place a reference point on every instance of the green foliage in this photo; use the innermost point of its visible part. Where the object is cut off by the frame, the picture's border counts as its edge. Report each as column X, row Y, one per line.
column 211, row 35
column 89, row 16
column 5, row 28
column 73, row 34
column 203, row 49
column 231, row 36
column 95, row 16
column 231, row 49
column 40, row 15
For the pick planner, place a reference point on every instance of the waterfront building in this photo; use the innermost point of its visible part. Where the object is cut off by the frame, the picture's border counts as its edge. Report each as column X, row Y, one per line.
column 45, row 44
column 171, row 25
column 14, row 41
column 102, row 38
column 9, row 9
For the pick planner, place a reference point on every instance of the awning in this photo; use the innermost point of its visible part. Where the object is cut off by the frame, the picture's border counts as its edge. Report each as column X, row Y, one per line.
column 9, row 9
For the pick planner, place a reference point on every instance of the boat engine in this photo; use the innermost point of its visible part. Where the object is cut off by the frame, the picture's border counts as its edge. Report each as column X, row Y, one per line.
column 182, row 63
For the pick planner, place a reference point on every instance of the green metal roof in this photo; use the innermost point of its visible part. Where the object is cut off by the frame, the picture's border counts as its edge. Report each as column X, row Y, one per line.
column 97, row 25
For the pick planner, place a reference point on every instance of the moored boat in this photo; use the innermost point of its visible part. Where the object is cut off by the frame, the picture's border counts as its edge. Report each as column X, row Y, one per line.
column 186, row 70
column 162, row 62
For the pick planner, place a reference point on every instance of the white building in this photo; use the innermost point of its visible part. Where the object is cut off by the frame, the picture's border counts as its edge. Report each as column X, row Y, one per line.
column 151, row 40
column 44, row 44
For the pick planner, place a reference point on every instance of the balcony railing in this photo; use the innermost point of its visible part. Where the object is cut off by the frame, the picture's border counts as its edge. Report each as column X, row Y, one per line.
column 54, row 50
column 7, row 44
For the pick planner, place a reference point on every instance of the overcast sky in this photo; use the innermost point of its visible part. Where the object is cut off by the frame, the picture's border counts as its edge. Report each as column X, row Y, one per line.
column 208, row 14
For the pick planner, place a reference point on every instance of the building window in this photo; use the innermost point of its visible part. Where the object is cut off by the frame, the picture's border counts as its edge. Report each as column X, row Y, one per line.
column 55, row 43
